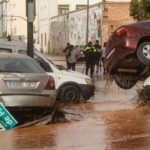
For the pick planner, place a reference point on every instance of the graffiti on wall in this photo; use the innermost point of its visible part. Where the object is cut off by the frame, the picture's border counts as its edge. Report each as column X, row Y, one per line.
column 72, row 28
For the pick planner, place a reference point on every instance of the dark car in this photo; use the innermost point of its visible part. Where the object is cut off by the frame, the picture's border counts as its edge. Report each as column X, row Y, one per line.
column 128, row 54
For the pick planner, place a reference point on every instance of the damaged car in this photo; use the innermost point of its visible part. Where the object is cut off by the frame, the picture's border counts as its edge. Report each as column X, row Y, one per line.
column 24, row 84
column 128, row 54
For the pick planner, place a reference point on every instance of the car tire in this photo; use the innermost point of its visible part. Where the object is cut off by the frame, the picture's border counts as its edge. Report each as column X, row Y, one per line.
column 143, row 53
column 70, row 93
column 125, row 81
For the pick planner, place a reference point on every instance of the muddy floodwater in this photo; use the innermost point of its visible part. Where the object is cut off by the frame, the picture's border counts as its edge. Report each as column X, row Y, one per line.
column 112, row 120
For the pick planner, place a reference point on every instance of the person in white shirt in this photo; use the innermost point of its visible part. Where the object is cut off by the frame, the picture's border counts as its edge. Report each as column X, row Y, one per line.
column 72, row 57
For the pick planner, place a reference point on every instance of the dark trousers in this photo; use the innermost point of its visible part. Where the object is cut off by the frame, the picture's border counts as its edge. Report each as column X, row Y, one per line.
column 71, row 66
column 89, row 65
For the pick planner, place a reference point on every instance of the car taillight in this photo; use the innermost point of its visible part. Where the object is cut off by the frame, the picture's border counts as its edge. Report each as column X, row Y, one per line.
column 50, row 84
column 121, row 32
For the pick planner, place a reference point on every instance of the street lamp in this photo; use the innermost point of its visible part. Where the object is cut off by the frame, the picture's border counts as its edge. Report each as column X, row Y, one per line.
column 87, row 23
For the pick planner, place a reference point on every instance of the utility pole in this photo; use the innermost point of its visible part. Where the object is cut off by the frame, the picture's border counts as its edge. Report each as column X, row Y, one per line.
column 30, row 12
column 87, row 23
column 103, row 7
column 3, row 12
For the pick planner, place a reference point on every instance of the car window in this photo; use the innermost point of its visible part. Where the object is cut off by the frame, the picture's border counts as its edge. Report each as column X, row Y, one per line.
column 20, row 65
column 147, row 24
column 7, row 50
column 43, row 63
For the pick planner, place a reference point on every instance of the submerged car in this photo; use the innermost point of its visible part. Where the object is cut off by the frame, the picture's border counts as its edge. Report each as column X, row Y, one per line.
column 24, row 84
column 128, row 54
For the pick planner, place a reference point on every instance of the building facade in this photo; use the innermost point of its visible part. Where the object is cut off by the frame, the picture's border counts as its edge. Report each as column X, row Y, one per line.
column 104, row 18
column 16, row 18
column 52, row 8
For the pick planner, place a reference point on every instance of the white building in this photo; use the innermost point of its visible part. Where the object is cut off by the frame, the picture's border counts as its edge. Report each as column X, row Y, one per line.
column 16, row 18
column 51, row 8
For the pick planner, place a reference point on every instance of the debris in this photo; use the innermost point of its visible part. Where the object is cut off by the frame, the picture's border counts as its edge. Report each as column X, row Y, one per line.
column 7, row 121
column 144, row 95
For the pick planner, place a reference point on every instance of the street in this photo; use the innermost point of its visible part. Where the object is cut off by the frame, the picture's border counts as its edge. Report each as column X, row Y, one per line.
column 111, row 120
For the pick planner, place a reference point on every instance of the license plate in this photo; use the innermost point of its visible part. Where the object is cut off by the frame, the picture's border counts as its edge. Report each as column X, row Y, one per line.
column 22, row 85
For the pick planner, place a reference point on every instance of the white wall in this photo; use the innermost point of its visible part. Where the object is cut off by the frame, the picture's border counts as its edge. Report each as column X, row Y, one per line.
column 16, row 25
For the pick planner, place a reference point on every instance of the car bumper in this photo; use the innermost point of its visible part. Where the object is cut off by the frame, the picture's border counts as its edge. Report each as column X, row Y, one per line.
column 119, row 51
column 28, row 100
column 87, row 91
column 117, row 54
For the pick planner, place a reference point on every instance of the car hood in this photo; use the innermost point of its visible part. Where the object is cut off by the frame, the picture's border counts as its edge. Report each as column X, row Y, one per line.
column 75, row 74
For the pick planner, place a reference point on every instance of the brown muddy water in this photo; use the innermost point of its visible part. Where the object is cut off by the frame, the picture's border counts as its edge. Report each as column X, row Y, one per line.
column 111, row 121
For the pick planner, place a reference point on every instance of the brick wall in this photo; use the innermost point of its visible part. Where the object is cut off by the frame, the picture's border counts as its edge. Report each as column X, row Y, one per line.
column 115, row 15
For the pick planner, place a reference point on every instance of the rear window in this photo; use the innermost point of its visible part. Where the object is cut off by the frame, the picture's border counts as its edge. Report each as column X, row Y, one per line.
column 6, row 50
column 147, row 24
column 20, row 65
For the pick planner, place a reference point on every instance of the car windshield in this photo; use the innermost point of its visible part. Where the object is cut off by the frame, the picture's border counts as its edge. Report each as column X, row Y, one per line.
column 20, row 65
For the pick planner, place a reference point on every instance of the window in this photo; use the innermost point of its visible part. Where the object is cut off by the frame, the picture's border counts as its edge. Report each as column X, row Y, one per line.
column 45, row 39
column 147, row 24
column 7, row 50
column 43, row 63
column 21, row 65
column 63, row 9
column 81, row 7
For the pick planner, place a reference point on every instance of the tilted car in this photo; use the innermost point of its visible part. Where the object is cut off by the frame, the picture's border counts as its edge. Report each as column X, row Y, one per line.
column 128, row 54
column 24, row 84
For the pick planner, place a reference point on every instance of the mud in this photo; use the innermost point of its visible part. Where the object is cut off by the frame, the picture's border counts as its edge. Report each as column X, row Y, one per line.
column 112, row 120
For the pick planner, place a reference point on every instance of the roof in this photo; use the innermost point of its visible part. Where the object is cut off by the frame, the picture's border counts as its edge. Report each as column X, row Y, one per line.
column 10, row 55
column 14, row 43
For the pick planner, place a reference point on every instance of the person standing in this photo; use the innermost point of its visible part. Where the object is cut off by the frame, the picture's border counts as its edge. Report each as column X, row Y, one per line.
column 98, row 55
column 104, row 56
column 71, row 58
column 89, row 52
column 66, row 50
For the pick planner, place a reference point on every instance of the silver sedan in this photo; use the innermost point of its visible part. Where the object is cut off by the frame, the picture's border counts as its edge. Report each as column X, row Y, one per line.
column 23, row 83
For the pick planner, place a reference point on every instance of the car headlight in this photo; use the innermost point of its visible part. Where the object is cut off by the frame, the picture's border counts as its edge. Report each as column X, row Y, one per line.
column 89, row 81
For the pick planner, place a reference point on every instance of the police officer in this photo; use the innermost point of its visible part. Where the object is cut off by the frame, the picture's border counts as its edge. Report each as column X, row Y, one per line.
column 89, row 52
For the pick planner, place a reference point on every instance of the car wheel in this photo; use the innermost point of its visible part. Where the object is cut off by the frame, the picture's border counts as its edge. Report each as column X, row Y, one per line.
column 70, row 93
column 125, row 81
column 143, row 53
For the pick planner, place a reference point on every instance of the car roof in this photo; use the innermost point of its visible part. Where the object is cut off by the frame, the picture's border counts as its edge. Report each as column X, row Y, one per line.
column 138, row 23
column 5, row 42
column 10, row 55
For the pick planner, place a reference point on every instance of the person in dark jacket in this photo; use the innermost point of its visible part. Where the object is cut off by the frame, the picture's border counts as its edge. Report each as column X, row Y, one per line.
column 66, row 51
column 98, row 55
column 89, row 52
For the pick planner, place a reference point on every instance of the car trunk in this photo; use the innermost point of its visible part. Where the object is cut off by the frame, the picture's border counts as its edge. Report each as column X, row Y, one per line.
column 16, row 83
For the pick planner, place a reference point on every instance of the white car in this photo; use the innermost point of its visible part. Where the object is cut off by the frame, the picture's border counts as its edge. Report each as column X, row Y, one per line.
column 70, row 85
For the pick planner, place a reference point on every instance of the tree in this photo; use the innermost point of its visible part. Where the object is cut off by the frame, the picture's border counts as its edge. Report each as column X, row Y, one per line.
column 140, row 9
column 146, row 5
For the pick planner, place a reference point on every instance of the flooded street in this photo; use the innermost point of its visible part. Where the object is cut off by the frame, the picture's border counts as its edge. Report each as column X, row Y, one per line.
column 111, row 120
